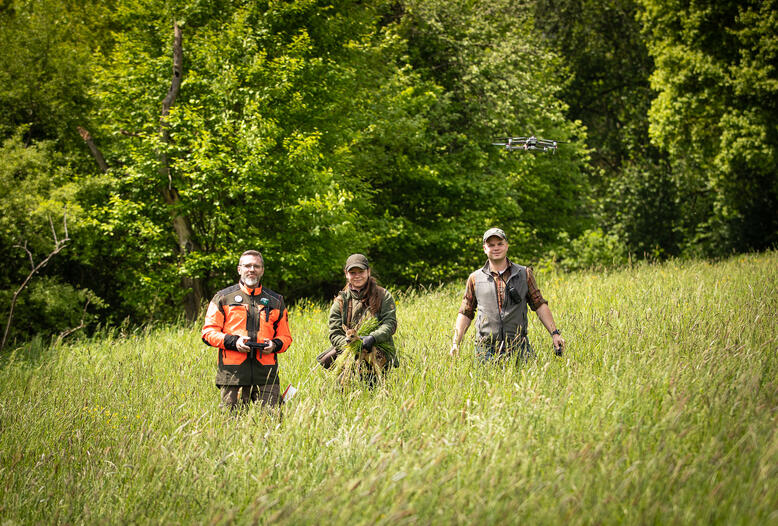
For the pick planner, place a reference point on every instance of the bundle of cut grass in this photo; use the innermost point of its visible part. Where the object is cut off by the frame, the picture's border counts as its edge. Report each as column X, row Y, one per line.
column 354, row 363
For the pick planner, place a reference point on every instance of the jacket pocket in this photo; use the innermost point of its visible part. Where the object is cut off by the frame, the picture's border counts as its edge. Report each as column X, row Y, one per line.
column 228, row 358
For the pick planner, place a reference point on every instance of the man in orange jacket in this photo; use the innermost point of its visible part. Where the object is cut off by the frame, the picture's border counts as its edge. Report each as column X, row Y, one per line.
column 248, row 324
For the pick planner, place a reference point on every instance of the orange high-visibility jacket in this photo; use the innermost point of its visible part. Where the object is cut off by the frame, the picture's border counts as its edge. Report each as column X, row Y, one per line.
column 257, row 313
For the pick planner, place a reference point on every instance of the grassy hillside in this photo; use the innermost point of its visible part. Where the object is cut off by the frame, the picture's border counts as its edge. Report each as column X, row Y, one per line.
column 663, row 410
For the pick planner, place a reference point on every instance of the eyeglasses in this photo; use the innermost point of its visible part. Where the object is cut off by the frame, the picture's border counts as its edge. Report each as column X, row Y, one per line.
column 252, row 267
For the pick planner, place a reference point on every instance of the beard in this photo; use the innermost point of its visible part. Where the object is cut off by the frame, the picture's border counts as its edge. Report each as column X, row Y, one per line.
column 251, row 281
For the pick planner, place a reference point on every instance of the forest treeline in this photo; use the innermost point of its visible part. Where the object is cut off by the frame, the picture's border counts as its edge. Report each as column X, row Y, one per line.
column 149, row 142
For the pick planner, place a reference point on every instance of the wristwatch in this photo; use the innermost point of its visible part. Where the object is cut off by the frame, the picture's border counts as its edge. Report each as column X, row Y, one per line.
column 555, row 331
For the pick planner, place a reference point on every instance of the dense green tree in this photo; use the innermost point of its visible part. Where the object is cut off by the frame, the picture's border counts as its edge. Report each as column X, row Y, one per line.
column 246, row 156
column 642, row 207
column 609, row 68
column 488, row 76
column 608, row 90
column 45, row 74
column 45, row 60
column 39, row 211
column 716, row 116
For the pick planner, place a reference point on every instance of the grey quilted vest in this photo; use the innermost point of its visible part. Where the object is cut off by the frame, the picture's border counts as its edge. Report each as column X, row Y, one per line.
column 506, row 330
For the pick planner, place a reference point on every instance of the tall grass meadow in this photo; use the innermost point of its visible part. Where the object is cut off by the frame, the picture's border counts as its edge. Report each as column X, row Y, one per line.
column 664, row 409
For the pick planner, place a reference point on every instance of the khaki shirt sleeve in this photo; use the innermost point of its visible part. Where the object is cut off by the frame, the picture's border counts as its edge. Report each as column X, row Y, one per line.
column 534, row 298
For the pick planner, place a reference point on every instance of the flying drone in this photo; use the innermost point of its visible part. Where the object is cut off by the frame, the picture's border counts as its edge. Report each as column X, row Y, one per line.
column 527, row 143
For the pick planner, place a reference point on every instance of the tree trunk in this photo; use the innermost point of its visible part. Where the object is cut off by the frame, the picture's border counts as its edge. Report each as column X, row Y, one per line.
column 183, row 230
column 96, row 153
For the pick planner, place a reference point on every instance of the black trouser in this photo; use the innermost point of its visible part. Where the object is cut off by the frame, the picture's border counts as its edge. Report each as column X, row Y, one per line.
column 268, row 395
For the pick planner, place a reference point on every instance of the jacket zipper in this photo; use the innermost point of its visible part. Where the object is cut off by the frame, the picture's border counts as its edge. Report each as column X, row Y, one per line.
column 255, row 321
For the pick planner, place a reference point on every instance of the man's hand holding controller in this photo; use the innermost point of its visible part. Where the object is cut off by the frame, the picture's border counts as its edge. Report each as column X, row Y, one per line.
column 245, row 345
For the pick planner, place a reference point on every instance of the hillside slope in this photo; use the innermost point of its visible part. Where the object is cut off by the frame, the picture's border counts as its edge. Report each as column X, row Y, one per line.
column 663, row 410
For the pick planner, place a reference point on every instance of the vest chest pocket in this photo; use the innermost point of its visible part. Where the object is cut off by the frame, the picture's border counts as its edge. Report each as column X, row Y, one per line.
column 516, row 290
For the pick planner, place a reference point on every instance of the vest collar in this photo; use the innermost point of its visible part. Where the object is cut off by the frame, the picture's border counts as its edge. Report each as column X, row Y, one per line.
column 513, row 266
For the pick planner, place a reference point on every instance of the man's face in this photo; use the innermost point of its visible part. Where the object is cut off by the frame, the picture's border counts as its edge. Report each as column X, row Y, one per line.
column 251, row 270
column 495, row 248
column 357, row 277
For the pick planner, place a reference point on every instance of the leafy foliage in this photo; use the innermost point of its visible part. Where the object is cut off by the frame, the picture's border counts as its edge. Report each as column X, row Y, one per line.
column 609, row 66
column 592, row 250
column 716, row 113
column 248, row 159
column 45, row 72
column 38, row 205
column 486, row 78
column 314, row 129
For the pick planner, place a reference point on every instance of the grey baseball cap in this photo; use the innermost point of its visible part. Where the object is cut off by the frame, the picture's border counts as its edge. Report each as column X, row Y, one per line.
column 356, row 260
column 494, row 232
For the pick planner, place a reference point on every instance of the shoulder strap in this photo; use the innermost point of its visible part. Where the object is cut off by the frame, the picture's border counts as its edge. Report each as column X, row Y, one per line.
column 344, row 299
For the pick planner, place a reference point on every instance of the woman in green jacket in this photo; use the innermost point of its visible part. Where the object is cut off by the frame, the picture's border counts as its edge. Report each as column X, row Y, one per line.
column 360, row 299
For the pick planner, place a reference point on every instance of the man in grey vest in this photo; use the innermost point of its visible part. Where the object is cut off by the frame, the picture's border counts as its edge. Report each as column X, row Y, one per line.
column 500, row 292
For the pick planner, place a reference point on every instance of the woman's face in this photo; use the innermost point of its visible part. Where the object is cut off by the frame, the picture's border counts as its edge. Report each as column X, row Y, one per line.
column 357, row 277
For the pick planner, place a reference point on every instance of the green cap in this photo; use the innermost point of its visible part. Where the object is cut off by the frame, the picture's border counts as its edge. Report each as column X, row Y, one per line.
column 494, row 232
column 356, row 260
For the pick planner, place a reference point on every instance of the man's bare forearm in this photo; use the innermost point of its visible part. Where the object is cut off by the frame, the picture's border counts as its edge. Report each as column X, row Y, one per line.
column 546, row 318
column 460, row 327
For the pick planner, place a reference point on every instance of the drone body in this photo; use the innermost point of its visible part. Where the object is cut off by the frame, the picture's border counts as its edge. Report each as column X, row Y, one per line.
column 527, row 143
